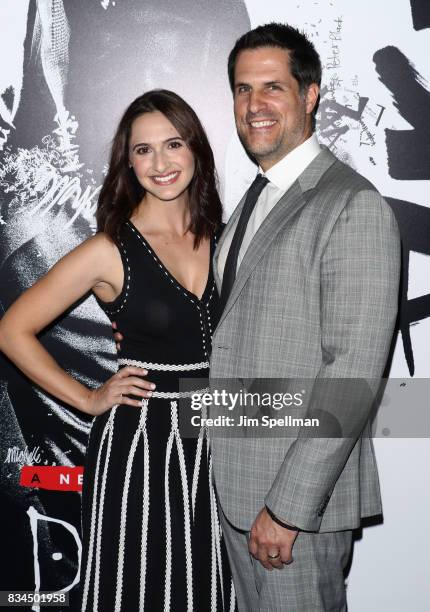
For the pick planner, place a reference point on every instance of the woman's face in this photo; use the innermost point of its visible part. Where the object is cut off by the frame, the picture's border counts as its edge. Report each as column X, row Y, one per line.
column 161, row 159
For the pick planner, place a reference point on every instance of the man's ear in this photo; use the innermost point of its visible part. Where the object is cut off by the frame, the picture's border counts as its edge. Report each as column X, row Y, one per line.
column 311, row 97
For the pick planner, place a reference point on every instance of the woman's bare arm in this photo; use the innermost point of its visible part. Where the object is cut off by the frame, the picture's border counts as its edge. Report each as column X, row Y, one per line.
column 67, row 281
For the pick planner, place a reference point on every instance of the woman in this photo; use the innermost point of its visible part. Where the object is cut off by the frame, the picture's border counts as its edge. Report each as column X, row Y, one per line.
column 150, row 529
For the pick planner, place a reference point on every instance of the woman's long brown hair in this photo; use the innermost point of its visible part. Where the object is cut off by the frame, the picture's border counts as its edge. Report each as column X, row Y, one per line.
column 121, row 191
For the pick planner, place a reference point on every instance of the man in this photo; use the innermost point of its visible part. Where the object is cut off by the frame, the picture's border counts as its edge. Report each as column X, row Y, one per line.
column 308, row 270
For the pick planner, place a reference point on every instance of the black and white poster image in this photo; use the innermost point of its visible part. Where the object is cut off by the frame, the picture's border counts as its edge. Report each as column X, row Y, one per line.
column 68, row 71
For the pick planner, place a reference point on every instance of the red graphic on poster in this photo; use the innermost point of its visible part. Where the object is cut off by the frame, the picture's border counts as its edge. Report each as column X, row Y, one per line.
column 54, row 478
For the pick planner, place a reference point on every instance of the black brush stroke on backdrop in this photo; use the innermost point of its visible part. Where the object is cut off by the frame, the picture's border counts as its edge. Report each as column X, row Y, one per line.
column 408, row 155
column 420, row 14
column 413, row 220
column 414, row 224
column 332, row 112
column 408, row 150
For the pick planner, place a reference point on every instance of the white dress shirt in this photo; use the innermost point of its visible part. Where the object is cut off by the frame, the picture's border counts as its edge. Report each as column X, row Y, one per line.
column 281, row 176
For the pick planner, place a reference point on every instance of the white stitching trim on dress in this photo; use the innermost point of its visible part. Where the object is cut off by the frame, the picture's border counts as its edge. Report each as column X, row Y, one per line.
column 168, row 570
column 164, row 367
column 186, row 498
column 177, row 394
column 157, row 261
column 213, row 544
column 124, row 503
column 232, row 596
column 178, row 287
column 108, row 428
column 202, row 329
column 100, row 521
column 217, row 529
column 126, row 284
column 145, row 518
column 197, row 462
column 209, row 320
column 211, row 293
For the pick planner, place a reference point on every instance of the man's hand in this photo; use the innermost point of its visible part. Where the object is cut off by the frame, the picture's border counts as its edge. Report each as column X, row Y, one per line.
column 118, row 336
column 268, row 540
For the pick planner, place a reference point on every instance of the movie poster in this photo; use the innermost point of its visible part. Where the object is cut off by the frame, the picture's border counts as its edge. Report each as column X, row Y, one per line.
column 69, row 68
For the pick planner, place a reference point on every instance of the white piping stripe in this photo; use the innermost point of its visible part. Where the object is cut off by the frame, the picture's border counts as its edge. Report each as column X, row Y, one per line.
column 107, row 428
column 197, row 462
column 213, row 547
column 196, row 473
column 126, row 286
column 82, row 520
column 216, row 525
column 164, row 367
column 145, row 514
column 168, row 575
column 232, row 596
column 124, row 502
column 185, row 493
column 217, row 539
column 100, row 521
column 177, row 394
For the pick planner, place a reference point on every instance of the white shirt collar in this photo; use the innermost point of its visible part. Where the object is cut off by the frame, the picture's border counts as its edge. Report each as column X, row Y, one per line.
column 289, row 168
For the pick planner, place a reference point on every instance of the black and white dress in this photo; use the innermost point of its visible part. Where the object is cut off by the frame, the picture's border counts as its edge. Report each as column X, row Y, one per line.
column 151, row 534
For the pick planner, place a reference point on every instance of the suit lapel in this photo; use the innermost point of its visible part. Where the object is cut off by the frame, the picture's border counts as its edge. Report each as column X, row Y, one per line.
column 290, row 203
column 278, row 217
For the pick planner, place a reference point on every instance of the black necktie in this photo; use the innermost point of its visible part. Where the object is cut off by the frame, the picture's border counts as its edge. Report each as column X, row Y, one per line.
column 231, row 262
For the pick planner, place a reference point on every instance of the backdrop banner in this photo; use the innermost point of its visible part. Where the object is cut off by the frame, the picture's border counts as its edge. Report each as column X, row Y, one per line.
column 68, row 71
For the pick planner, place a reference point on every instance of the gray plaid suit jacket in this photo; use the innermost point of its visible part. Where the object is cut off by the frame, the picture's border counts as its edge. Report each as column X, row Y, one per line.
column 315, row 297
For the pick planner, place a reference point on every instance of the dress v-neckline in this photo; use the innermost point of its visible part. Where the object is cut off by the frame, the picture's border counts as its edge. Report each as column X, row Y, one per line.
column 166, row 270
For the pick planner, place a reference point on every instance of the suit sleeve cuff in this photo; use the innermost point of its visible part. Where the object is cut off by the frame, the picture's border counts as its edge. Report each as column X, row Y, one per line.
column 279, row 522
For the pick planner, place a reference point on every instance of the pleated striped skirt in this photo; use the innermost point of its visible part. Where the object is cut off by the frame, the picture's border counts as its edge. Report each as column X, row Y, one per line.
column 151, row 535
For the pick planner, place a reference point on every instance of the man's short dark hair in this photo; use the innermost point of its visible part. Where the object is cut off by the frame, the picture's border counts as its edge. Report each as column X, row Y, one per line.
column 305, row 63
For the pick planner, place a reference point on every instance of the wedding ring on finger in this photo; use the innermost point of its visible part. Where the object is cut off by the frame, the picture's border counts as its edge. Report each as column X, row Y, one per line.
column 275, row 556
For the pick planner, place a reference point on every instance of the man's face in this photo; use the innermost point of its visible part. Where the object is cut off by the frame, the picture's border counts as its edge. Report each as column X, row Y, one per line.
column 272, row 116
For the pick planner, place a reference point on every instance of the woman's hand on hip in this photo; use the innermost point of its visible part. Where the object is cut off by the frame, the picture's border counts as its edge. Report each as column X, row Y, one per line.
column 127, row 381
